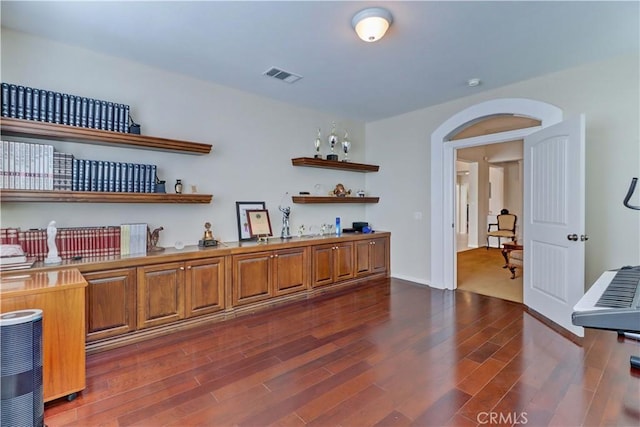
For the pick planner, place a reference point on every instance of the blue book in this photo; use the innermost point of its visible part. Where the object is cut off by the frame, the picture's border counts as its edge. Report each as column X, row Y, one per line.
column 93, row 113
column 35, row 104
column 93, row 175
column 100, row 178
column 51, row 102
column 78, row 111
column 111, row 176
column 5, row 100
column 72, row 110
column 65, row 109
column 81, row 168
column 154, row 170
column 124, row 118
column 75, row 167
column 84, row 112
column 43, row 105
column 110, row 109
column 28, row 103
column 20, row 102
column 130, row 177
column 103, row 116
column 57, row 107
column 13, row 101
column 136, row 178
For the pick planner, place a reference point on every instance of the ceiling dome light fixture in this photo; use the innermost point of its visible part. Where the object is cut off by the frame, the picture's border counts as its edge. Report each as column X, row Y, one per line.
column 371, row 24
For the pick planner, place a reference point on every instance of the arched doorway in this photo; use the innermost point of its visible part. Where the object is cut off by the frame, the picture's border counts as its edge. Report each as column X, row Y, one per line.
column 443, row 171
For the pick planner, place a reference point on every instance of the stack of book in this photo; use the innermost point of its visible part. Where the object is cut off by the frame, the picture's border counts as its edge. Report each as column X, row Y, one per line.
column 42, row 105
column 133, row 239
column 99, row 175
column 25, row 166
column 12, row 257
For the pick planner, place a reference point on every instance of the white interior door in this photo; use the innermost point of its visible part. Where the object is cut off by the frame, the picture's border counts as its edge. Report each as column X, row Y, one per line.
column 554, row 198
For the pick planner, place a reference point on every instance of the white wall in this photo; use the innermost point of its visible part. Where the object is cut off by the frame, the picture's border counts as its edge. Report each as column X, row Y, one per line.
column 607, row 92
column 253, row 141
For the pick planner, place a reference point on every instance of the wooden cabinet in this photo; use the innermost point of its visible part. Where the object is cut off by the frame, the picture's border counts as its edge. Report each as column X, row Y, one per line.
column 371, row 256
column 61, row 297
column 332, row 263
column 204, row 283
column 262, row 275
column 160, row 294
column 110, row 303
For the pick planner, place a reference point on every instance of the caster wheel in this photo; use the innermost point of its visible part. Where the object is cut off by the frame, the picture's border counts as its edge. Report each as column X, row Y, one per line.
column 72, row 396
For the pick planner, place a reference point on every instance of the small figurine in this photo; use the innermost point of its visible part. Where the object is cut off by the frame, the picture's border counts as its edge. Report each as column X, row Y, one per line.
column 52, row 255
column 208, row 239
column 152, row 239
column 340, row 191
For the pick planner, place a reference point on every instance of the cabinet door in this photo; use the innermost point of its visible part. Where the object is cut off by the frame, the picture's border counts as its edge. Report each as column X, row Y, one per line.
column 322, row 264
column 204, row 291
column 160, row 294
column 343, row 261
column 290, row 271
column 110, row 303
column 379, row 255
column 251, row 278
column 363, row 257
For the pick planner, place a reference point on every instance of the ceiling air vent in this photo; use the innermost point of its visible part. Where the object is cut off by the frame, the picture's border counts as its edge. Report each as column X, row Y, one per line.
column 279, row 74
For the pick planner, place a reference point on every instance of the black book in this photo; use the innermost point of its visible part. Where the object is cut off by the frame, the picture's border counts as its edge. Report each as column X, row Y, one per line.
column 75, row 174
column 51, row 102
column 72, row 110
column 13, row 101
column 93, row 113
column 5, row 100
column 110, row 116
column 117, row 176
column 154, row 170
column 57, row 107
column 28, row 103
column 136, row 178
column 126, row 120
column 116, row 117
column 20, row 103
column 124, row 176
column 35, row 104
column 65, row 109
column 43, row 105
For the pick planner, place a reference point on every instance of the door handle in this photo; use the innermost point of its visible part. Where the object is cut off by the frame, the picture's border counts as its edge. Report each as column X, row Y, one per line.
column 572, row 237
column 584, row 237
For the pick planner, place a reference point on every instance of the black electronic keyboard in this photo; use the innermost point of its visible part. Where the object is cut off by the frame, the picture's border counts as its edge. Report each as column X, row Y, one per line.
column 612, row 303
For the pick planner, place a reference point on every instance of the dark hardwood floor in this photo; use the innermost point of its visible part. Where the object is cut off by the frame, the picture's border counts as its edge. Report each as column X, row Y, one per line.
column 390, row 353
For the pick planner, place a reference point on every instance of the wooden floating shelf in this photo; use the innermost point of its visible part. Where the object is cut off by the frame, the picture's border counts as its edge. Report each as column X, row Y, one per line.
column 334, row 164
column 333, row 199
column 43, row 130
column 99, row 197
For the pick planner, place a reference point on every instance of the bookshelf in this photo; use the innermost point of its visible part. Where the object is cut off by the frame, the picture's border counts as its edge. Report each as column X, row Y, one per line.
column 334, row 164
column 100, row 197
column 52, row 131
column 333, row 199
column 59, row 132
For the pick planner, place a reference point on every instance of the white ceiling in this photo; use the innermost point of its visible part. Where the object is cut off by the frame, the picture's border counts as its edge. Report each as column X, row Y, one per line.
column 428, row 54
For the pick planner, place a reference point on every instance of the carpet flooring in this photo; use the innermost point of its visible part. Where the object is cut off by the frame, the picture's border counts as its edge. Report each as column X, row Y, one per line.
column 480, row 271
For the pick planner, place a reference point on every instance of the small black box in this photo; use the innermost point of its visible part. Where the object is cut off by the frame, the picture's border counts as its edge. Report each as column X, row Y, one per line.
column 358, row 226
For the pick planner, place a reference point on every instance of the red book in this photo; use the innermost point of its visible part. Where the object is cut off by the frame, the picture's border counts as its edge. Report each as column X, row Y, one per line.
column 4, row 239
column 12, row 236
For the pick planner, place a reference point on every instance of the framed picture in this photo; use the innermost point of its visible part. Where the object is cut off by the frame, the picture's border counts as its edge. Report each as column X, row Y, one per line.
column 259, row 224
column 243, row 223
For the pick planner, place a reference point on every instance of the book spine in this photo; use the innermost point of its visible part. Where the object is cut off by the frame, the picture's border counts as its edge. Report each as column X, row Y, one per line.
column 72, row 110
column 112, row 177
column 86, row 179
column 4, row 182
column 51, row 102
column 60, row 243
column 130, row 177
column 35, row 104
column 99, row 176
column 126, row 115
column 3, row 236
column 65, row 109
column 110, row 116
column 103, row 117
column 49, row 167
column 28, row 103
column 57, row 107
column 5, row 100
column 93, row 175
column 124, row 168
column 154, row 172
column 117, row 173
column 124, row 118
column 68, row 171
column 84, row 112
column 13, row 101
column 75, row 172
column 136, row 178
column 12, row 236
column 12, row 164
column 78, row 111
column 94, row 114
column 20, row 101
column 43, row 105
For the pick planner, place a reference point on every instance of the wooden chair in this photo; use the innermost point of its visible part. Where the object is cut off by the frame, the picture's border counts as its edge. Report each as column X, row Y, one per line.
column 506, row 228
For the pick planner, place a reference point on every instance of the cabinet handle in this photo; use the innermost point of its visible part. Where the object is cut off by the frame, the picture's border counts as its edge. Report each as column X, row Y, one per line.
column 270, row 256
column 275, row 256
column 181, row 268
column 189, row 268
